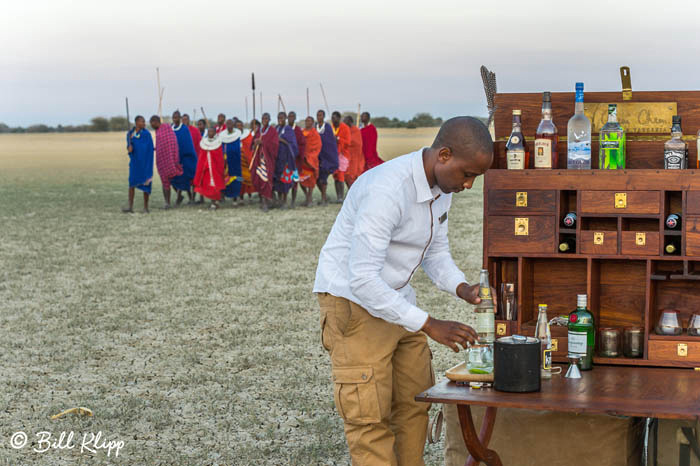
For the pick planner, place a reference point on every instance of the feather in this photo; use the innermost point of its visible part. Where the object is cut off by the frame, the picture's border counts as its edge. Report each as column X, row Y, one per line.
column 490, row 88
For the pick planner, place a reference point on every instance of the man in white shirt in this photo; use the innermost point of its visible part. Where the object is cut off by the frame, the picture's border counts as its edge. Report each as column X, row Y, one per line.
column 393, row 220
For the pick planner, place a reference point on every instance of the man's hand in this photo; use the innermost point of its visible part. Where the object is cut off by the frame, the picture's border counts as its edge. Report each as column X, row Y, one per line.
column 130, row 149
column 471, row 294
column 449, row 333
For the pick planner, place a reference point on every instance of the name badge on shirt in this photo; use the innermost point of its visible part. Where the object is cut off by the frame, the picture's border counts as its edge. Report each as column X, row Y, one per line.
column 443, row 217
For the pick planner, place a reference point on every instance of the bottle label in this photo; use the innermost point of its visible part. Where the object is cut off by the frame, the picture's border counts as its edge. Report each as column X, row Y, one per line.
column 485, row 323
column 579, row 150
column 547, row 359
column 578, row 342
column 674, row 159
column 515, row 159
column 543, row 153
column 610, row 144
column 484, row 292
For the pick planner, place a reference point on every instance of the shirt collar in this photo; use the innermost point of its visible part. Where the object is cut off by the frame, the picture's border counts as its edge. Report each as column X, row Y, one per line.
column 423, row 191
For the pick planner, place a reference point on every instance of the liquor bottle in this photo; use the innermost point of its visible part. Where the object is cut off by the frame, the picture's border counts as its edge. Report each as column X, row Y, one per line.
column 581, row 333
column 568, row 245
column 569, row 220
column 673, row 247
column 673, row 221
column 612, row 142
column 578, row 153
column 517, row 156
column 676, row 149
column 544, row 334
column 546, row 138
column 485, row 324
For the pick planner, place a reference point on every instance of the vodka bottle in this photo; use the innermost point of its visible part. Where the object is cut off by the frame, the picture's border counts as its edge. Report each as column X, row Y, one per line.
column 546, row 138
column 485, row 324
column 579, row 136
column 676, row 149
column 543, row 333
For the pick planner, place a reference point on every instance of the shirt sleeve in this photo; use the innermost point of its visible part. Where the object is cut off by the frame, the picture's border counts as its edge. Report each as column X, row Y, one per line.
column 374, row 224
column 439, row 265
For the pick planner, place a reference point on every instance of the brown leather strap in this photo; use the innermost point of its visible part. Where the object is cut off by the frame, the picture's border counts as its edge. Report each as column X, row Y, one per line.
column 435, row 428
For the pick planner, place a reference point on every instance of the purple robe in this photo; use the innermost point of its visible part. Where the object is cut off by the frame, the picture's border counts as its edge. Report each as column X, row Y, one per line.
column 286, row 154
column 328, row 158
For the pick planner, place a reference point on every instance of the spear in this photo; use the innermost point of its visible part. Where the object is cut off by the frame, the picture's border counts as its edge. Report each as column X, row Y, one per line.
column 324, row 98
column 160, row 94
column 308, row 109
column 253, row 81
column 206, row 120
column 284, row 108
column 127, row 114
column 359, row 107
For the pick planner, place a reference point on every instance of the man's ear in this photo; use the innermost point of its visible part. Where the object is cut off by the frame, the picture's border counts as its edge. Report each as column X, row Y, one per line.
column 444, row 154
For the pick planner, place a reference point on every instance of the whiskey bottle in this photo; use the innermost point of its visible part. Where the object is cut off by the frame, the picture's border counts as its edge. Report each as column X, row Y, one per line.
column 578, row 141
column 517, row 156
column 546, row 137
column 485, row 324
column 676, row 149
column 612, row 143
column 568, row 245
column 673, row 222
column 569, row 220
column 581, row 334
column 673, row 247
column 543, row 333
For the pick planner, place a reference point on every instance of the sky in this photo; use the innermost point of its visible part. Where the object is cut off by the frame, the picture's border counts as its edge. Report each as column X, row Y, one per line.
column 68, row 61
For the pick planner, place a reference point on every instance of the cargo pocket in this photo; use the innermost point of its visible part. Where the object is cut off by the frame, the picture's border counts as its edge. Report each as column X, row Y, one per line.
column 324, row 339
column 356, row 396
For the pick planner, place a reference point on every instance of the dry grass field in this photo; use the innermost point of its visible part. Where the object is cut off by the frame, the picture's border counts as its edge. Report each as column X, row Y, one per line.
column 192, row 335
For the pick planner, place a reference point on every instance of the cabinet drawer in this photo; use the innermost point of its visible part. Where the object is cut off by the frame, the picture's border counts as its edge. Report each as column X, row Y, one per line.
column 669, row 350
column 641, row 243
column 503, row 200
column 620, row 202
column 692, row 203
column 692, row 236
column 515, row 234
column 598, row 242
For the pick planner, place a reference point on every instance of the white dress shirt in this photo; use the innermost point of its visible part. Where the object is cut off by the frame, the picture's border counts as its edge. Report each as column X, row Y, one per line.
column 390, row 223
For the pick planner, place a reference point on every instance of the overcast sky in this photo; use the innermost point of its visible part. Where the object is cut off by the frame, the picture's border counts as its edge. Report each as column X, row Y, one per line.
column 65, row 62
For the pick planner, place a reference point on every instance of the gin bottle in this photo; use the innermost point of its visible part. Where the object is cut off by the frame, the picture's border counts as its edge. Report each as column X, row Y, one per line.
column 543, row 333
column 676, row 149
column 581, row 334
column 579, row 136
column 485, row 324
column 517, row 156
column 546, row 138
column 612, row 143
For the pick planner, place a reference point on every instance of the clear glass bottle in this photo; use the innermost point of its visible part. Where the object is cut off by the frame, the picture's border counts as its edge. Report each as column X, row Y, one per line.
column 485, row 323
column 517, row 156
column 578, row 153
column 546, row 138
column 612, row 143
column 676, row 149
column 581, row 333
column 543, row 333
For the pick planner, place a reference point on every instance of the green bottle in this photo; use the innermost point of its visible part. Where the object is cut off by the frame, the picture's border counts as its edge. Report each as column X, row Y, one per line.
column 613, row 144
column 582, row 333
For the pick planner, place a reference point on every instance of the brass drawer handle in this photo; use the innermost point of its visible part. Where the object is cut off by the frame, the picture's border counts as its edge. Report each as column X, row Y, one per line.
column 620, row 200
column 500, row 329
column 555, row 345
column 682, row 350
column 641, row 239
column 521, row 199
column 521, row 226
column 598, row 238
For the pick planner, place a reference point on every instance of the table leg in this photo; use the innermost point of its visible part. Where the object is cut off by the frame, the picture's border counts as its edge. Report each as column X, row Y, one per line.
column 477, row 445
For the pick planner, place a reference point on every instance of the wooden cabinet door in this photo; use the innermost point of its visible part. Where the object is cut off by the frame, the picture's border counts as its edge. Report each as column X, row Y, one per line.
column 692, row 203
column 620, row 202
column 512, row 200
column 672, row 350
column 641, row 243
column 692, row 236
column 511, row 234
column 598, row 242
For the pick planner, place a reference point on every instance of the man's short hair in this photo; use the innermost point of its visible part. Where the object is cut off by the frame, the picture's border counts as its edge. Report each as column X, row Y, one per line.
column 466, row 134
column 322, row 111
column 138, row 117
column 155, row 118
column 336, row 113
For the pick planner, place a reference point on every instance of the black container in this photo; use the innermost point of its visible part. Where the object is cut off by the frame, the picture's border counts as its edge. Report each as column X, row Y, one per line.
column 516, row 364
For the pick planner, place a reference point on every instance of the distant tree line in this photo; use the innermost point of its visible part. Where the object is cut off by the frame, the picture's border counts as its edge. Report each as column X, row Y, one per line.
column 119, row 123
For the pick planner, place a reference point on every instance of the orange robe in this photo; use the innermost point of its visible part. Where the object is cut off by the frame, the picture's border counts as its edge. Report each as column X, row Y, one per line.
column 342, row 134
column 357, row 157
column 246, row 154
column 308, row 171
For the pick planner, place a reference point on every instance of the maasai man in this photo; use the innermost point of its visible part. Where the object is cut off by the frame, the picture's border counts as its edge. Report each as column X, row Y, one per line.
column 139, row 144
column 369, row 142
column 328, row 157
column 220, row 123
column 262, row 171
column 299, row 133
column 357, row 158
column 209, row 180
column 188, row 159
column 308, row 169
column 167, row 156
column 246, row 156
column 342, row 134
column 194, row 132
column 231, row 145
column 202, row 128
column 287, row 153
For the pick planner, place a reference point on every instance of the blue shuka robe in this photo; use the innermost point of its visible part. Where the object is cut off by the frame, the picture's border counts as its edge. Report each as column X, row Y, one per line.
column 328, row 158
column 188, row 158
column 285, row 166
column 231, row 145
column 140, row 159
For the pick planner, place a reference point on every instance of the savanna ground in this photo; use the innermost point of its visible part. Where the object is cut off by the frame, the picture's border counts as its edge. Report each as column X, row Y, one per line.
column 192, row 335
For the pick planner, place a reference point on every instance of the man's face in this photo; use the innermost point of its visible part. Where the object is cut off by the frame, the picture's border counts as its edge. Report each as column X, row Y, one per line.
column 186, row 120
column 320, row 117
column 348, row 121
column 229, row 125
column 281, row 119
column 176, row 118
column 291, row 118
column 308, row 123
column 140, row 123
column 200, row 126
column 454, row 173
column 239, row 125
column 211, row 133
column 364, row 118
column 221, row 119
column 265, row 120
column 155, row 124
column 335, row 119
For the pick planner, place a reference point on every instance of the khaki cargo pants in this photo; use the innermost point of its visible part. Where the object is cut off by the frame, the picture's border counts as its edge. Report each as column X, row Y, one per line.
column 378, row 368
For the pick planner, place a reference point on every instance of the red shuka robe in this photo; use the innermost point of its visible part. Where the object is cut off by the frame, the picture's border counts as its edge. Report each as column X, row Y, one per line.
column 196, row 138
column 369, row 146
column 262, row 170
column 308, row 169
column 342, row 134
column 246, row 154
column 357, row 158
column 209, row 179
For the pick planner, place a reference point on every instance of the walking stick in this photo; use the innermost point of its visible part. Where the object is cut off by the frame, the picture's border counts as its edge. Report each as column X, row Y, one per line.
column 324, row 98
column 308, row 109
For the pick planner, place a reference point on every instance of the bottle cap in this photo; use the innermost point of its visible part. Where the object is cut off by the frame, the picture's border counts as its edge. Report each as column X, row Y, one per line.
column 547, row 96
column 579, row 86
column 540, row 306
column 581, row 300
column 517, row 112
column 676, row 119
